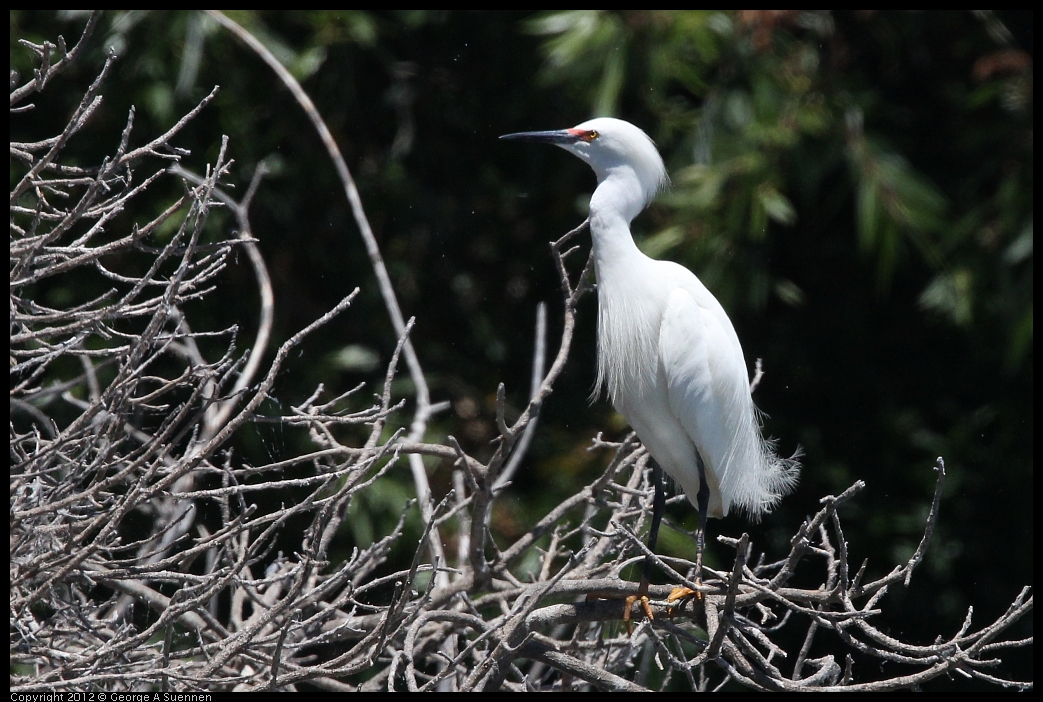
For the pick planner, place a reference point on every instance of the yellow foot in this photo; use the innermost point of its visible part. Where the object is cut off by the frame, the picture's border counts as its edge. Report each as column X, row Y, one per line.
column 628, row 605
column 679, row 594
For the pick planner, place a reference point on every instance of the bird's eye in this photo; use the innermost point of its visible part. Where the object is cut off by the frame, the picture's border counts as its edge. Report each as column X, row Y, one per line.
column 592, row 135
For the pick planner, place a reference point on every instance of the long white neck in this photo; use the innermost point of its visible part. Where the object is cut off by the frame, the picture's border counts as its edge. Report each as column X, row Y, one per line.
column 616, row 201
column 623, row 339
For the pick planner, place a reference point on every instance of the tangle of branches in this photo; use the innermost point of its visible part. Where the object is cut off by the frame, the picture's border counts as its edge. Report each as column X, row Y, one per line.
column 120, row 433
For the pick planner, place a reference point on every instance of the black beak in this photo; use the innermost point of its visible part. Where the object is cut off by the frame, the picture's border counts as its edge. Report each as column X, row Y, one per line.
column 560, row 136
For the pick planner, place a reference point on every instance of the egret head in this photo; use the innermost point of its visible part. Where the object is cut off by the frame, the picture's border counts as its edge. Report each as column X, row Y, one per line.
column 610, row 146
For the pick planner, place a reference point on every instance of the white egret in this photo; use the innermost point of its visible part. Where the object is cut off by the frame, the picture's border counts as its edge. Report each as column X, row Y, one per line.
column 667, row 352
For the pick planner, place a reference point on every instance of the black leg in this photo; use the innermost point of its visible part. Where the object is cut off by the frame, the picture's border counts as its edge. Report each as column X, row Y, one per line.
column 703, row 498
column 658, row 507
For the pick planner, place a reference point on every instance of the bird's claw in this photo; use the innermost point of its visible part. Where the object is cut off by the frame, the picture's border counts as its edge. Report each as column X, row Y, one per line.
column 628, row 605
column 676, row 598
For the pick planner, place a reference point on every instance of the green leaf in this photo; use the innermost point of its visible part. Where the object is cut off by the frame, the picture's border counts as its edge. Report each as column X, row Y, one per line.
column 951, row 294
column 777, row 205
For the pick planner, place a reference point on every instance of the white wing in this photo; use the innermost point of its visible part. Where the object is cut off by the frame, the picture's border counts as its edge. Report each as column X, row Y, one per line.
column 708, row 390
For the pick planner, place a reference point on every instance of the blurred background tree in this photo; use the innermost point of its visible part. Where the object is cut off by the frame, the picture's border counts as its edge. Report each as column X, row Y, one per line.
column 856, row 189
